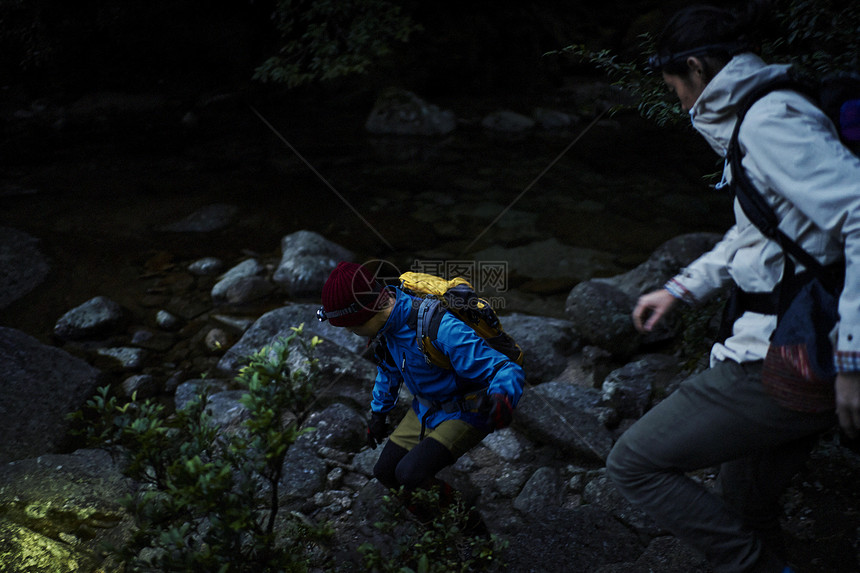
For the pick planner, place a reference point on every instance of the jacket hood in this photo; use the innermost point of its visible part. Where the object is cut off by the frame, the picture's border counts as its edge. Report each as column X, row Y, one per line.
column 714, row 113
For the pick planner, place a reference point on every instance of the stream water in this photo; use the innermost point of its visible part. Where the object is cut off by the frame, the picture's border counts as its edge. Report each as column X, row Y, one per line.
column 98, row 203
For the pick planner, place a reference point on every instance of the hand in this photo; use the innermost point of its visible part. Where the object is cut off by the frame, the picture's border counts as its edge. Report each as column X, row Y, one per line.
column 848, row 402
column 501, row 412
column 377, row 429
column 654, row 306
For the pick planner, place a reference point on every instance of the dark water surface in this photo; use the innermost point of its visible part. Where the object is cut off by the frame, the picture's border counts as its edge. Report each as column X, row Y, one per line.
column 99, row 202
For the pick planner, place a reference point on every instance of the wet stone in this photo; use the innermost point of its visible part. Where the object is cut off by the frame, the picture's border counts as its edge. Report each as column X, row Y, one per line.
column 97, row 316
column 207, row 266
column 167, row 320
column 128, row 358
column 144, row 385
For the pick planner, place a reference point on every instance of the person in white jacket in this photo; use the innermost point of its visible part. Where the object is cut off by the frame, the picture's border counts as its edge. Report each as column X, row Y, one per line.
column 723, row 416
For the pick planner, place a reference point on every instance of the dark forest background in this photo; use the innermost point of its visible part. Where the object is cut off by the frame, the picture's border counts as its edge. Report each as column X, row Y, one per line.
column 61, row 49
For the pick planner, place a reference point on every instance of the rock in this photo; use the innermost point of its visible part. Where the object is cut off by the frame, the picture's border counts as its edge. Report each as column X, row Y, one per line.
column 57, row 512
column 144, row 385
column 629, row 389
column 601, row 492
column 242, row 284
column 122, row 358
column 401, row 112
column 157, row 341
column 664, row 263
column 337, row 426
column 552, row 119
column 97, row 317
column 277, row 324
column 600, row 308
column 550, row 259
column 206, row 219
column 23, row 266
column 364, row 460
column 307, row 259
column 343, row 375
column 507, row 121
column 226, row 410
column 601, row 315
column 41, row 385
column 665, row 554
column 207, row 266
column 546, row 342
column 566, row 417
column 303, row 474
column 561, row 540
column 542, row 490
column 507, row 444
column 189, row 389
column 167, row 320
column 509, row 480
column 216, row 341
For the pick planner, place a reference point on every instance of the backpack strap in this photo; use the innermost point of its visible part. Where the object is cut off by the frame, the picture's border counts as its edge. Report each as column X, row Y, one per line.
column 759, row 212
column 425, row 318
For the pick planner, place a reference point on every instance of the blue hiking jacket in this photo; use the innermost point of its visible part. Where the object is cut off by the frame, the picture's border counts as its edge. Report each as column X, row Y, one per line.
column 476, row 366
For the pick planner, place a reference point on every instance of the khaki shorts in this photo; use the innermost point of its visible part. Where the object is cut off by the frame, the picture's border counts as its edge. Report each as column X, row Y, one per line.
column 456, row 435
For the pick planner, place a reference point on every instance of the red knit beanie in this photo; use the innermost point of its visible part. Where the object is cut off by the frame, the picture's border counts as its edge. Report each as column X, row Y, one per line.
column 350, row 287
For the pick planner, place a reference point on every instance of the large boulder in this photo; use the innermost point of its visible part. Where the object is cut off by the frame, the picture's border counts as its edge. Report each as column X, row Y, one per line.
column 99, row 316
column 243, row 283
column 546, row 342
column 551, row 261
column 561, row 540
column 277, row 324
column 22, row 266
column 567, row 417
column 601, row 308
column 41, row 385
column 600, row 313
column 401, row 112
column 307, row 259
column 58, row 512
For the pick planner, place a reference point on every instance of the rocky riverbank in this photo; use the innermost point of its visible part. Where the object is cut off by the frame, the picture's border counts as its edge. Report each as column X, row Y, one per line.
column 539, row 484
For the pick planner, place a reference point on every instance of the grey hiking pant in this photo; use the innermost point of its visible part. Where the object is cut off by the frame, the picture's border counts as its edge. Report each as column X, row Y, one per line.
column 722, row 416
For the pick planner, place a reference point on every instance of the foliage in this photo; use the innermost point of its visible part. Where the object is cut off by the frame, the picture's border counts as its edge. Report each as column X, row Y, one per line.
column 817, row 36
column 208, row 498
column 654, row 102
column 323, row 40
column 442, row 545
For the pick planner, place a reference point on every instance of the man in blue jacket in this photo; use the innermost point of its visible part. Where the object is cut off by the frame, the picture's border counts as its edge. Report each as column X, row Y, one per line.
column 452, row 410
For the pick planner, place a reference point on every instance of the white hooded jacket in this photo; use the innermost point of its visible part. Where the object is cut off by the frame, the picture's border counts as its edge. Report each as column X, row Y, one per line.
column 793, row 156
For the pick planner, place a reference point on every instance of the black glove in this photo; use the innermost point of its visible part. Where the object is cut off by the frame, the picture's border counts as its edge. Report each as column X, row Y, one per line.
column 377, row 429
column 501, row 412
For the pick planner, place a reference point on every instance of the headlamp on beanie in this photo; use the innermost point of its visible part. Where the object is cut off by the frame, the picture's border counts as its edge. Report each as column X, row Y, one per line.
column 350, row 296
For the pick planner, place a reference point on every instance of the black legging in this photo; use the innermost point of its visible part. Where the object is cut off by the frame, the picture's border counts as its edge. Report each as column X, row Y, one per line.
column 413, row 468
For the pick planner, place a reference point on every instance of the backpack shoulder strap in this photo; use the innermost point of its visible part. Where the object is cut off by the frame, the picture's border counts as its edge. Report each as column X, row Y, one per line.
column 425, row 318
column 750, row 199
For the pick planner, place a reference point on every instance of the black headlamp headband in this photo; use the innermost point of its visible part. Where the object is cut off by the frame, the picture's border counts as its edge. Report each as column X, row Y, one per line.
column 323, row 314
column 656, row 63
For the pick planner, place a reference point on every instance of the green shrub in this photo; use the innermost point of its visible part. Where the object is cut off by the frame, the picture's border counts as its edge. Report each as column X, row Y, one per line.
column 323, row 40
column 208, row 499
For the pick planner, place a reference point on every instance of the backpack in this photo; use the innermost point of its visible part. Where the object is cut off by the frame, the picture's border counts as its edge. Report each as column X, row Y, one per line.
column 457, row 297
